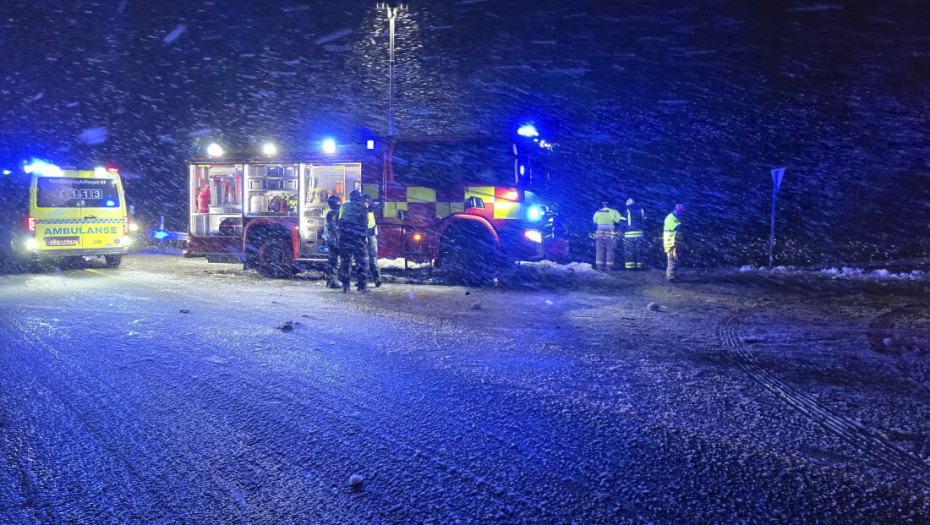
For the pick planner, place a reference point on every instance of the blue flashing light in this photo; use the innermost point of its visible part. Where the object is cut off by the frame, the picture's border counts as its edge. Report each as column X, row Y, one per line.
column 527, row 130
column 7, row 172
column 534, row 213
column 160, row 234
column 329, row 146
column 110, row 202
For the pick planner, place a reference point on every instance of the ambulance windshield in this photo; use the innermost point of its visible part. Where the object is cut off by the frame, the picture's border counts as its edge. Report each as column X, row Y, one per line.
column 65, row 192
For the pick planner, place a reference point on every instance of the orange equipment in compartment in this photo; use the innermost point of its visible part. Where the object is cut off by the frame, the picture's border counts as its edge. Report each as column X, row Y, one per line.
column 203, row 200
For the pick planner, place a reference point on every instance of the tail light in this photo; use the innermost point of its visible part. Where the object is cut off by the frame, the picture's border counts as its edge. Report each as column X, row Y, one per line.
column 31, row 224
column 126, row 225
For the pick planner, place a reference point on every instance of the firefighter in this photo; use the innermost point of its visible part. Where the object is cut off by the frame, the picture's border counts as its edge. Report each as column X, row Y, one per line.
column 372, row 241
column 633, row 236
column 605, row 237
column 331, row 236
column 672, row 240
column 353, row 228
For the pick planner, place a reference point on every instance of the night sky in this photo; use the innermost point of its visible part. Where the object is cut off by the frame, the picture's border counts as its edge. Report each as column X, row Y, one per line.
column 666, row 102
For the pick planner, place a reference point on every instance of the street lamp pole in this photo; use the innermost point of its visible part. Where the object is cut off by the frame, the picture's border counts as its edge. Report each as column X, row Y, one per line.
column 392, row 16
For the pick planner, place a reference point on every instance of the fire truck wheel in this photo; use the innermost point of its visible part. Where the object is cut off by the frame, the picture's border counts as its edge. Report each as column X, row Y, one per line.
column 469, row 256
column 275, row 260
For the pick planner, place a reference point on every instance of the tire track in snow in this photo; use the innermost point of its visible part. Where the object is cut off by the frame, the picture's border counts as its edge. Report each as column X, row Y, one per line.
column 86, row 398
column 849, row 431
column 339, row 400
column 904, row 333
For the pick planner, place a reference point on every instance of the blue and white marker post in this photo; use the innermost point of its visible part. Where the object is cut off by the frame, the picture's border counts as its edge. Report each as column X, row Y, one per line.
column 777, row 175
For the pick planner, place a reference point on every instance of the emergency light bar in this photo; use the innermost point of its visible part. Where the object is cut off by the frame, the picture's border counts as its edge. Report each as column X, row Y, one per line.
column 42, row 168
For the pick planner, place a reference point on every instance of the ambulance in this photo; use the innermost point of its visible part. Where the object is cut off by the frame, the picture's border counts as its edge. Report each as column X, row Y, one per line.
column 74, row 214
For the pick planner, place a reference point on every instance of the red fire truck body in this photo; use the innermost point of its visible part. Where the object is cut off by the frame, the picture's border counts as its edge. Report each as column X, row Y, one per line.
column 463, row 202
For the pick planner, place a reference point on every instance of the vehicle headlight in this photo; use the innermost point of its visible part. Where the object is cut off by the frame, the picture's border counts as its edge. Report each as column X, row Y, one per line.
column 533, row 235
column 32, row 244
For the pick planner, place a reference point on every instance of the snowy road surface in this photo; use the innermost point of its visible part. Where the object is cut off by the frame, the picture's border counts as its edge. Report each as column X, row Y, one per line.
column 173, row 391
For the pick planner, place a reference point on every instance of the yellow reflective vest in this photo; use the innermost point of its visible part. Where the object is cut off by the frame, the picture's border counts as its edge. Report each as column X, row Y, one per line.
column 606, row 219
column 372, row 224
column 671, row 237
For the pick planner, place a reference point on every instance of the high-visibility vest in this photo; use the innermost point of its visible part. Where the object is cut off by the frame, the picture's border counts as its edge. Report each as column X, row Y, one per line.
column 372, row 225
column 672, row 234
column 606, row 219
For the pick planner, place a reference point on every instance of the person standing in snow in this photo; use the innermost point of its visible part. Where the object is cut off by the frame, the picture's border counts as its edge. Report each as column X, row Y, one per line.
column 353, row 229
column 372, row 241
column 606, row 220
column 672, row 240
column 633, row 236
column 331, row 236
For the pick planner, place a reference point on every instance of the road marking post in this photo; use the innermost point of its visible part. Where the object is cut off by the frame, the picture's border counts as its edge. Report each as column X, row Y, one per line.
column 777, row 175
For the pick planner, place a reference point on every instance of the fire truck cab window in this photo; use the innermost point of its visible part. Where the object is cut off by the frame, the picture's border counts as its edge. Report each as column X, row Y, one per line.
column 474, row 202
column 450, row 163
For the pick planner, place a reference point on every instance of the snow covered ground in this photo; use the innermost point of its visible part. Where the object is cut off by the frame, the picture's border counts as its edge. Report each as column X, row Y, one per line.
column 760, row 396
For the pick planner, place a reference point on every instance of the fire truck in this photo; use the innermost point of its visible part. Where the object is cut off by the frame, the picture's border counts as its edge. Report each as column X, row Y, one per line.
column 468, row 205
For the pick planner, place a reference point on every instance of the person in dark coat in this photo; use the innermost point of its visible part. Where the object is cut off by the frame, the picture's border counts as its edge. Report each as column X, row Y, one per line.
column 353, row 241
column 331, row 236
column 633, row 236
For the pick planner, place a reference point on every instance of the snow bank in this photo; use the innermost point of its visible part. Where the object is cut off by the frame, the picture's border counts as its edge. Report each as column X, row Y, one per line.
column 845, row 273
column 570, row 268
column 859, row 273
